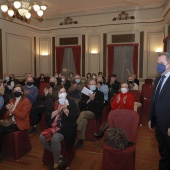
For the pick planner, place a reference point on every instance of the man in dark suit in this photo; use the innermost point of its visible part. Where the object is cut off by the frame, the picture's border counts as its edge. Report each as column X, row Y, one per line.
column 160, row 110
column 91, row 107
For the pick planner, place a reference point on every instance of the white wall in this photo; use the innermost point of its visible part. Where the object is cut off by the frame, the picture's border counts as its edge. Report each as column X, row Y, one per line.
column 18, row 39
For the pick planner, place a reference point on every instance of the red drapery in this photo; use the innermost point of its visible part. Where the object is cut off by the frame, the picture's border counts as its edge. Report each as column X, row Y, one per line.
column 165, row 43
column 110, row 60
column 60, row 55
column 59, row 58
column 111, row 57
column 77, row 57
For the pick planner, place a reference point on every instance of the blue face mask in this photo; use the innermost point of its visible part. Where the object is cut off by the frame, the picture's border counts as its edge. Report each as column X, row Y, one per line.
column 77, row 81
column 92, row 87
column 161, row 68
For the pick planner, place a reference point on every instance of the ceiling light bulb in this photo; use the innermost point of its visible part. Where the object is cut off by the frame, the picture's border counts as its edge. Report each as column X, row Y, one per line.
column 28, row 15
column 10, row 12
column 40, row 13
column 36, row 7
column 4, row 8
column 43, row 7
column 17, row 4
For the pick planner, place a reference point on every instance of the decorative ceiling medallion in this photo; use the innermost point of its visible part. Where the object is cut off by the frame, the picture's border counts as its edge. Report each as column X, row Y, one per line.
column 123, row 16
column 68, row 21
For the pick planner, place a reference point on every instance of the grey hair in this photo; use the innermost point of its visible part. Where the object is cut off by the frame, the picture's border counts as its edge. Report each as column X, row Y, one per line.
column 166, row 54
column 116, row 138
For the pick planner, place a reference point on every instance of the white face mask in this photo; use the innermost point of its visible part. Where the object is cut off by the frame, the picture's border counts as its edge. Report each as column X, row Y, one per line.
column 124, row 90
column 63, row 79
column 62, row 95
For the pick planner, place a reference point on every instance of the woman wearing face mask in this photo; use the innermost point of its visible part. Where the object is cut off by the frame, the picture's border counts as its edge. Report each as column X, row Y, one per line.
column 18, row 111
column 61, row 120
column 122, row 100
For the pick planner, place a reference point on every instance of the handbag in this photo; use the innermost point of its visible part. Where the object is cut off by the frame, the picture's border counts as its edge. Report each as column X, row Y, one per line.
column 9, row 124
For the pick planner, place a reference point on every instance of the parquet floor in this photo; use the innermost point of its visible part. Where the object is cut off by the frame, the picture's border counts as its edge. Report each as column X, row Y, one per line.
column 89, row 157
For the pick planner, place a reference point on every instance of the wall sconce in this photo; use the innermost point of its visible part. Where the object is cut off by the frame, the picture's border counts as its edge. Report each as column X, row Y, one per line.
column 158, row 50
column 94, row 51
column 44, row 54
column 94, row 44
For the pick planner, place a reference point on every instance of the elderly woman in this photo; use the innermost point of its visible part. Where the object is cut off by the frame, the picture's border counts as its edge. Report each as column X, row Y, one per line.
column 61, row 119
column 18, row 111
column 122, row 100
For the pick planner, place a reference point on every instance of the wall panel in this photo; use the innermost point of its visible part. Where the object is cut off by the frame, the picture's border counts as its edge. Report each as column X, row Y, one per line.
column 19, row 54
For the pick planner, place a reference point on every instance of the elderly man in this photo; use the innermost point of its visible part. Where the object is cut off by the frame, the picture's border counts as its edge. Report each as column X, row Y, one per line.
column 91, row 107
column 8, row 84
column 103, row 88
column 76, row 88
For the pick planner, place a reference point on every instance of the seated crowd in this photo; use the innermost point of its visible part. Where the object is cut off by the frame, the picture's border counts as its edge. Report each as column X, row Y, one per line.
column 66, row 108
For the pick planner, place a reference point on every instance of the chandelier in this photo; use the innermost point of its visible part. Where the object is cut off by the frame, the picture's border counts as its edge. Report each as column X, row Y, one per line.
column 24, row 7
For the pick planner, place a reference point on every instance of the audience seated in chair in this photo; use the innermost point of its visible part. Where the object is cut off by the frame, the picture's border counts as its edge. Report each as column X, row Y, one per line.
column 91, row 107
column 50, row 93
column 61, row 120
column 18, row 111
column 122, row 100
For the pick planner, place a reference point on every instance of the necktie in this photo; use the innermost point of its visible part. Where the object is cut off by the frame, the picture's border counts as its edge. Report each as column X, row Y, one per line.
column 159, row 87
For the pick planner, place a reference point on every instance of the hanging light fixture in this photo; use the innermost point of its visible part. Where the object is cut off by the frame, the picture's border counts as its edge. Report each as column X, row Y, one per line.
column 23, row 7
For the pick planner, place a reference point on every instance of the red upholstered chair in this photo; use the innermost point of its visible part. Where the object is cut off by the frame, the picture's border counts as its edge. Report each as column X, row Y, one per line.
column 42, row 124
column 42, row 86
column 114, row 159
column 16, row 144
column 104, row 114
column 137, row 98
column 148, row 81
column 68, row 154
column 92, row 127
column 146, row 96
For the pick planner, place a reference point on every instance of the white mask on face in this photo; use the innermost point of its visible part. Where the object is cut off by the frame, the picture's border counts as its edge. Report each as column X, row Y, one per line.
column 62, row 79
column 124, row 90
column 62, row 95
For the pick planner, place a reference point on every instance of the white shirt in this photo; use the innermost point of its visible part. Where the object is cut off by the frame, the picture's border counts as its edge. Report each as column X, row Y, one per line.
column 16, row 102
column 165, row 79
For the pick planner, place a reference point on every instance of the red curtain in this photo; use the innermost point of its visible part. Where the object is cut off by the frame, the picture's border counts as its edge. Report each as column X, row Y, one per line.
column 77, row 57
column 111, row 57
column 60, row 55
column 165, row 43
column 59, row 58
column 110, row 60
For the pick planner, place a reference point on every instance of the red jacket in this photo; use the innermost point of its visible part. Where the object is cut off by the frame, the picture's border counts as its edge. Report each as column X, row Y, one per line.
column 21, row 113
column 123, row 101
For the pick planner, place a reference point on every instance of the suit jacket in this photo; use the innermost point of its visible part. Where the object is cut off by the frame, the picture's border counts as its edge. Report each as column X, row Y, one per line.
column 160, row 110
column 95, row 105
column 21, row 113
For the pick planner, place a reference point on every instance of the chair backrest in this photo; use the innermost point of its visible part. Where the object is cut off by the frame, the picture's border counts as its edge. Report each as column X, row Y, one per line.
column 42, row 86
column 147, row 90
column 148, row 81
column 125, row 119
column 136, row 94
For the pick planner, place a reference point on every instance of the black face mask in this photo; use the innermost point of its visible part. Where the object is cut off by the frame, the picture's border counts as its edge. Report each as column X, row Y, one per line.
column 100, row 83
column 52, row 84
column 17, row 94
column 29, row 83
